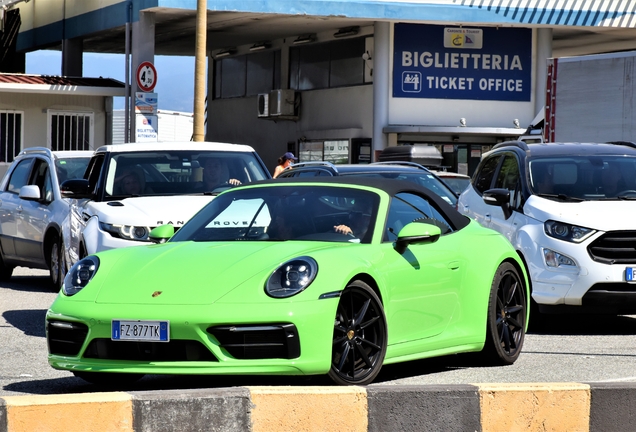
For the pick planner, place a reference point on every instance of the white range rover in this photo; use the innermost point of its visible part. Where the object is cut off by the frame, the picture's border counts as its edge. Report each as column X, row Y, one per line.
column 129, row 189
column 568, row 209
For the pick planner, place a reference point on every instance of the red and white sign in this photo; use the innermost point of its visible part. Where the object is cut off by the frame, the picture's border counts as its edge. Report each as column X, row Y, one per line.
column 146, row 76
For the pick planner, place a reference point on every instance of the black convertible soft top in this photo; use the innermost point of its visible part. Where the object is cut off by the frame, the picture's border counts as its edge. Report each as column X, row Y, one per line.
column 390, row 186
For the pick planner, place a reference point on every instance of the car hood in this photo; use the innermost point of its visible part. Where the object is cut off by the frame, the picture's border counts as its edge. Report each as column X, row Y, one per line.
column 149, row 211
column 192, row 272
column 598, row 215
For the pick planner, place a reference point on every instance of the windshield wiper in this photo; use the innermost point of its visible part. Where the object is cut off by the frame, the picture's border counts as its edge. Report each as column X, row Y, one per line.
column 560, row 197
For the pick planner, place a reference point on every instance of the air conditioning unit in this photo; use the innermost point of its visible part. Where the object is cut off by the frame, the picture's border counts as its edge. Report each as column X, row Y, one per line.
column 282, row 103
column 263, row 105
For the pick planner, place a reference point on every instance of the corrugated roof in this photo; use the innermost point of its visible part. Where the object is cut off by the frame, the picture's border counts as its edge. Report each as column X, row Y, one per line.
column 51, row 80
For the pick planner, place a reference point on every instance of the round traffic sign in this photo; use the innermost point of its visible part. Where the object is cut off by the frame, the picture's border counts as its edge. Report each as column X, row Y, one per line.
column 146, row 76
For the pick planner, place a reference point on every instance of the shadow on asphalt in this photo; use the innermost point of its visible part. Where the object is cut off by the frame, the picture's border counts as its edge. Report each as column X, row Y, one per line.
column 28, row 284
column 584, row 325
column 29, row 321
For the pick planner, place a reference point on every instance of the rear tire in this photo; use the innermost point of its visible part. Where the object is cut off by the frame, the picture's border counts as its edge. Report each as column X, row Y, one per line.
column 506, row 324
column 55, row 264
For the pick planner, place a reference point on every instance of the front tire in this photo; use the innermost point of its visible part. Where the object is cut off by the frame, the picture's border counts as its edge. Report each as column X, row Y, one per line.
column 5, row 270
column 359, row 336
column 506, row 324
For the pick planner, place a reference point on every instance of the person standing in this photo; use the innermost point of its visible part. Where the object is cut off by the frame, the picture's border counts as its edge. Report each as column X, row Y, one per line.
column 283, row 162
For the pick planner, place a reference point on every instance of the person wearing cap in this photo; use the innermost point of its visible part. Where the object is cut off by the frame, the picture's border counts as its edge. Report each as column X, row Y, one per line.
column 283, row 162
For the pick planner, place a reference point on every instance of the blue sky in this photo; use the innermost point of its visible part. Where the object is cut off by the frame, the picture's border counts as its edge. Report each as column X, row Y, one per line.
column 175, row 75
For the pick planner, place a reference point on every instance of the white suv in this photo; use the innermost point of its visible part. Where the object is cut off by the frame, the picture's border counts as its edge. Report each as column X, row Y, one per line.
column 568, row 209
column 170, row 187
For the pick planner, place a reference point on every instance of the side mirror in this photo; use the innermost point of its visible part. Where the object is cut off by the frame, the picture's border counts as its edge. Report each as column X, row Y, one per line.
column 416, row 233
column 499, row 198
column 76, row 188
column 161, row 234
column 30, row 192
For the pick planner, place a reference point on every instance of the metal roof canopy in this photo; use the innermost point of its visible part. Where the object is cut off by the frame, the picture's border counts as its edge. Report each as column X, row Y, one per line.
column 23, row 83
column 583, row 28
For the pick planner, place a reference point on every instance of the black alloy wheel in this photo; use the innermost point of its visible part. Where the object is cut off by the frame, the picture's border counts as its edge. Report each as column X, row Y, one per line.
column 359, row 336
column 507, row 308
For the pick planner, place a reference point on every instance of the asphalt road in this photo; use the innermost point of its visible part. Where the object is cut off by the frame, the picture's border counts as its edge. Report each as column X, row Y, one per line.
column 570, row 349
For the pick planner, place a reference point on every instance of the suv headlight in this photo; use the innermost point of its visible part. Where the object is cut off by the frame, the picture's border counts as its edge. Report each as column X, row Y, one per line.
column 567, row 232
column 291, row 277
column 128, row 232
column 80, row 275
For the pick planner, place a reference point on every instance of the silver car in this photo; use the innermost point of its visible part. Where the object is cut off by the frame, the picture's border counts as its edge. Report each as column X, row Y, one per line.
column 32, row 211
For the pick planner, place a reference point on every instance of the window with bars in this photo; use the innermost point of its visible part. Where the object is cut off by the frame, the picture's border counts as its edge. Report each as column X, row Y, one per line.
column 10, row 134
column 70, row 130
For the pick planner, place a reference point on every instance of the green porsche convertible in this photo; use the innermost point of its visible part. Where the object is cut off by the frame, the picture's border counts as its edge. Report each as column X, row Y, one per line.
column 295, row 277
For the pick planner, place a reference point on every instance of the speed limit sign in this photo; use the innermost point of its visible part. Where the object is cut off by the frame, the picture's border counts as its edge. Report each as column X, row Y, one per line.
column 146, row 76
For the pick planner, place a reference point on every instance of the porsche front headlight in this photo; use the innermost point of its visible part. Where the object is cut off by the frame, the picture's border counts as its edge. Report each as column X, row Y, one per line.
column 128, row 232
column 567, row 232
column 292, row 277
column 80, row 274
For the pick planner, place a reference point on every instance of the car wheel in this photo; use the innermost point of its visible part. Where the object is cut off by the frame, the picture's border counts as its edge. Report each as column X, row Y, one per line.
column 107, row 379
column 359, row 336
column 506, row 324
column 55, row 264
column 5, row 270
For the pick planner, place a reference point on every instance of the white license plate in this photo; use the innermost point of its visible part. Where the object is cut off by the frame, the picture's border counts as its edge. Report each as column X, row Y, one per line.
column 153, row 331
column 630, row 274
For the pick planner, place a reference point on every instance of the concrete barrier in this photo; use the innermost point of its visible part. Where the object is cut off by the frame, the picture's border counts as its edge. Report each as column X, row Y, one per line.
column 571, row 407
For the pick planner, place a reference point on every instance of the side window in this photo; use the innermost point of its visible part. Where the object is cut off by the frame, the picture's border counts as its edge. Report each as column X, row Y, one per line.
column 42, row 179
column 508, row 178
column 406, row 208
column 94, row 170
column 486, row 174
column 20, row 176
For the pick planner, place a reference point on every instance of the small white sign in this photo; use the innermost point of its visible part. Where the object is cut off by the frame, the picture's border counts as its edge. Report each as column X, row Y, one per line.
column 146, row 103
column 146, row 128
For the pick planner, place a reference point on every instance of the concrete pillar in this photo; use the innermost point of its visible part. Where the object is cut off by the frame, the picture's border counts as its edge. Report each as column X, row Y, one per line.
column 544, row 52
column 72, row 57
column 143, row 49
column 381, row 84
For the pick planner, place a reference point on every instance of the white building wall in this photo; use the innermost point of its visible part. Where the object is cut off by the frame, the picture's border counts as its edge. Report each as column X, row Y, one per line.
column 173, row 126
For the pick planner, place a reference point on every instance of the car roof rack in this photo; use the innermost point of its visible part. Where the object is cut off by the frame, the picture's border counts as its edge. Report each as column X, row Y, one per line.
column 37, row 150
column 401, row 163
column 520, row 144
column 313, row 164
column 624, row 143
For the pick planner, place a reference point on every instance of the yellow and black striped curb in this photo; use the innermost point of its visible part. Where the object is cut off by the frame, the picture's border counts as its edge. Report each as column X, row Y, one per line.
column 571, row 407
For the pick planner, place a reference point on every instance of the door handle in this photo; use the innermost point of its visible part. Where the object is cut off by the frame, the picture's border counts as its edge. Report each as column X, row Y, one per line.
column 19, row 209
column 487, row 218
column 453, row 265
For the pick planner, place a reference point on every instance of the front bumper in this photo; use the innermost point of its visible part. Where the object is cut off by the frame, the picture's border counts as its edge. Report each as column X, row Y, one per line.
column 192, row 331
column 591, row 286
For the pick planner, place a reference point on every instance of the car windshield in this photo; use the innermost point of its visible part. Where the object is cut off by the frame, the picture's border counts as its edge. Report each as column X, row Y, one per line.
column 309, row 213
column 458, row 184
column 71, row 167
column 598, row 177
column 180, row 172
column 423, row 178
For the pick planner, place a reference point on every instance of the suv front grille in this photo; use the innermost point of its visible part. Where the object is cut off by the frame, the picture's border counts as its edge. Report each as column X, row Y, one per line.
column 614, row 247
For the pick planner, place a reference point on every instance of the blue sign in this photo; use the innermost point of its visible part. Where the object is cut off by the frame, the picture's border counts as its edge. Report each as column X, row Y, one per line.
column 448, row 62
